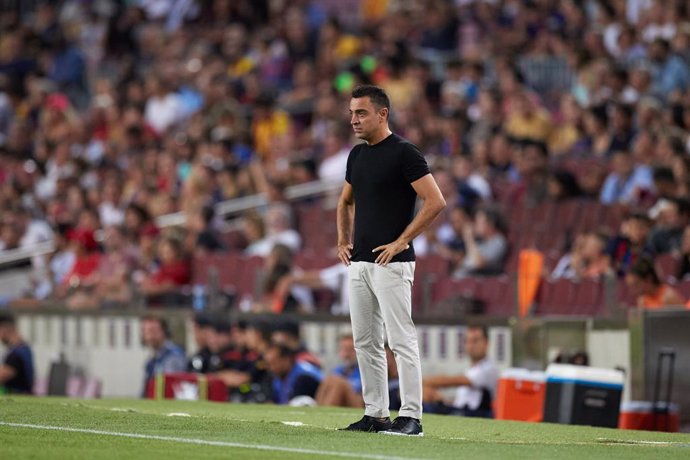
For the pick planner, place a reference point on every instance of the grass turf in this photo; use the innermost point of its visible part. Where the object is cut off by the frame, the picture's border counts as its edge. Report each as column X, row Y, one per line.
column 258, row 432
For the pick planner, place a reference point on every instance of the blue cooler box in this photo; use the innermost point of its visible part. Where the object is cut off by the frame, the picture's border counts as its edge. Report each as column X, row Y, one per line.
column 580, row 395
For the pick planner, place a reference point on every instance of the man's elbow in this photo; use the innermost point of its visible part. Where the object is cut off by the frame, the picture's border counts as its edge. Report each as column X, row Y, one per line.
column 439, row 204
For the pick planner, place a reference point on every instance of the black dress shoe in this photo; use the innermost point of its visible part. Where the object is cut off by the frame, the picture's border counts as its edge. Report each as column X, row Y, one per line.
column 405, row 426
column 370, row 425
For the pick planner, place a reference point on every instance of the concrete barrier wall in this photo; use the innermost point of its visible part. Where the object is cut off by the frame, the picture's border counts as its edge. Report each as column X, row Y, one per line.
column 109, row 348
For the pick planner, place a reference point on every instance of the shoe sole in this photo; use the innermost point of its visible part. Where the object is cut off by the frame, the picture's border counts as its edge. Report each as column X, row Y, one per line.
column 390, row 433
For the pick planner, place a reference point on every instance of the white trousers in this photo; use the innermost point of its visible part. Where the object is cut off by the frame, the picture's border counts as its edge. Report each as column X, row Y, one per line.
column 381, row 303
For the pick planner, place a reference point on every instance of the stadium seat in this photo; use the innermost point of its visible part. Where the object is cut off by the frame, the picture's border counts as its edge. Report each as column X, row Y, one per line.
column 588, row 297
column 667, row 266
column 556, row 297
column 498, row 294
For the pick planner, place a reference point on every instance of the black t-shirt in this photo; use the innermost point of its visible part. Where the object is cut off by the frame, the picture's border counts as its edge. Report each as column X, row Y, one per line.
column 21, row 360
column 380, row 176
column 201, row 361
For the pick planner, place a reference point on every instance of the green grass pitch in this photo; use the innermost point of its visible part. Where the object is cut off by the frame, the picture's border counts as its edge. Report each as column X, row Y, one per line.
column 58, row 428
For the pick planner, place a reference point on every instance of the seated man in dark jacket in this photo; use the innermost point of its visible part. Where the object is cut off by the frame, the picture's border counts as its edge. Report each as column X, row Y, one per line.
column 17, row 369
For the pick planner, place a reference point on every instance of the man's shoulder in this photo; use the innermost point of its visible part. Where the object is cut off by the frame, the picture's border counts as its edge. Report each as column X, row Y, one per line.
column 171, row 348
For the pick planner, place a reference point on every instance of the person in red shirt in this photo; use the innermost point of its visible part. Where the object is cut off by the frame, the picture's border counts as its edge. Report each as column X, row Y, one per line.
column 174, row 270
column 88, row 257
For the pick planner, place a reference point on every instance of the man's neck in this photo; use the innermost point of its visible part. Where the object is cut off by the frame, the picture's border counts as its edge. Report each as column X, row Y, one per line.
column 477, row 361
column 383, row 134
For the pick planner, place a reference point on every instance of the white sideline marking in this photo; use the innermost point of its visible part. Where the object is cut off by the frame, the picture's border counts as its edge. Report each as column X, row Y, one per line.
column 642, row 442
column 293, row 423
column 178, row 414
column 203, row 441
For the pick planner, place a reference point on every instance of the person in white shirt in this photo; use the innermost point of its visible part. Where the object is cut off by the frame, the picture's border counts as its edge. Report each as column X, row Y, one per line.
column 475, row 388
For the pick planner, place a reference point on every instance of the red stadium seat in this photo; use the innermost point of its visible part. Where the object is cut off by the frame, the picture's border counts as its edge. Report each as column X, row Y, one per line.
column 667, row 266
column 556, row 297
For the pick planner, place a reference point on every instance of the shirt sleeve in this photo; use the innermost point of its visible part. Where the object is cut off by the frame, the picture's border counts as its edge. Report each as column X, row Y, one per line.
column 14, row 361
column 482, row 376
column 414, row 164
column 350, row 160
column 174, row 363
column 493, row 250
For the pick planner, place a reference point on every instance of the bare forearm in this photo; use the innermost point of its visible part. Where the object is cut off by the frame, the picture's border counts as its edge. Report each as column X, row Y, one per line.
column 345, row 215
column 234, row 379
column 6, row 373
column 430, row 210
column 444, row 381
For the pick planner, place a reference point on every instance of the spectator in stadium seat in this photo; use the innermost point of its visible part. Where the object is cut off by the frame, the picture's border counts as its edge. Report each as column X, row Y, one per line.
column 630, row 244
column 278, row 230
column 173, row 272
column 527, row 120
column 278, row 294
column 292, row 379
column 670, row 219
column 563, row 186
column 343, row 387
column 110, row 284
column 253, row 231
column 335, row 152
column 333, row 278
column 204, row 237
column 476, row 388
column 486, row 246
column 587, row 260
column 627, row 182
column 166, row 356
column 670, row 75
column 87, row 260
column 531, row 167
column 651, row 292
column 597, row 135
column 17, row 369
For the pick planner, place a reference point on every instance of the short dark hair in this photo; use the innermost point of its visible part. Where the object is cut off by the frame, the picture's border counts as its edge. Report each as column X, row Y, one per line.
column 480, row 327
column 162, row 322
column 290, row 327
column 202, row 320
column 645, row 270
column 7, row 318
column 283, row 350
column 377, row 95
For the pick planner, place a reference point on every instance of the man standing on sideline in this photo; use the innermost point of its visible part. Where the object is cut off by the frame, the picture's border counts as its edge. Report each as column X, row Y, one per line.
column 17, row 370
column 384, row 176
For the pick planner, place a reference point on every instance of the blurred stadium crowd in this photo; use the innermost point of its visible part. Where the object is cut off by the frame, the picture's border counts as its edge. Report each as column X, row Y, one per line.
column 558, row 126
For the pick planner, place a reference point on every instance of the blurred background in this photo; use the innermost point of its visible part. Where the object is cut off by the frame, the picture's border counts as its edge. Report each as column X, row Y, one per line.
column 185, row 157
